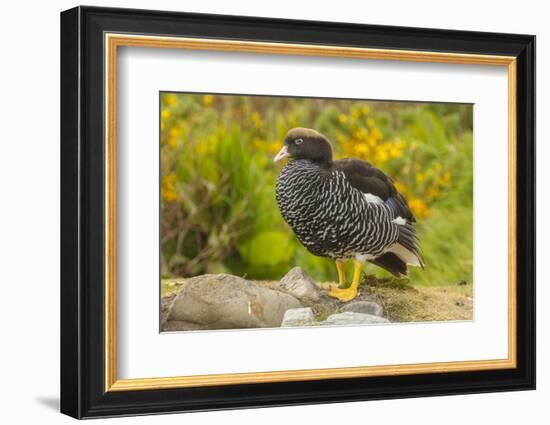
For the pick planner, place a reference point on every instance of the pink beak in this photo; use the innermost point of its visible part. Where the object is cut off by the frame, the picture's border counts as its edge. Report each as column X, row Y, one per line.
column 283, row 153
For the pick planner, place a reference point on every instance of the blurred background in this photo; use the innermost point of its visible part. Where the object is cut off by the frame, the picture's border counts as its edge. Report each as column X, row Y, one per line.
column 218, row 208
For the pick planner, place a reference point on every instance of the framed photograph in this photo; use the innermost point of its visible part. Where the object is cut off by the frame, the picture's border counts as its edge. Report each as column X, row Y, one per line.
column 261, row 212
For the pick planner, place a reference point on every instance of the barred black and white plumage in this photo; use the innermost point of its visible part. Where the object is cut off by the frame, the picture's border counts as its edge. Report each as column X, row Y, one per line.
column 344, row 209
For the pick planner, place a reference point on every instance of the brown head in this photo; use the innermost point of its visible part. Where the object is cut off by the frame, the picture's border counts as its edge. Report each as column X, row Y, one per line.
column 305, row 143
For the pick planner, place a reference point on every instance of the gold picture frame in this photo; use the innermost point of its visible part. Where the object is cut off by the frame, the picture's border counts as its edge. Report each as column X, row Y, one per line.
column 114, row 41
column 91, row 40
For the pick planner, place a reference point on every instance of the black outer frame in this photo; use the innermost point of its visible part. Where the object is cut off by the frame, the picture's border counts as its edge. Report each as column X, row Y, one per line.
column 82, row 214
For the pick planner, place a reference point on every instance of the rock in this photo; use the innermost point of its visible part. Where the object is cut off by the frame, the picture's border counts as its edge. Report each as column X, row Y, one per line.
column 299, row 284
column 221, row 301
column 351, row 318
column 181, row 325
column 365, row 307
column 298, row 317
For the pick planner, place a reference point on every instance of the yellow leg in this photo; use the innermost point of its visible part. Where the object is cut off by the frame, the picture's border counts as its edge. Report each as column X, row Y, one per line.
column 349, row 293
column 341, row 267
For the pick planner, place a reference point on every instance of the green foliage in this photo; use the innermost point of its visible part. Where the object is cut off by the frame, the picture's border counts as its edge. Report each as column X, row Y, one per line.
column 274, row 247
column 218, row 209
column 447, row 239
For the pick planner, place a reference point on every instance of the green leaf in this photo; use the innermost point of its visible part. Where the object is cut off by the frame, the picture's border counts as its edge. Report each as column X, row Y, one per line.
column 267, row 249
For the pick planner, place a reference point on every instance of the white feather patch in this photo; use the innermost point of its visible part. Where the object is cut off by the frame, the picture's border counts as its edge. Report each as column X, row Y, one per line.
column 373, row 198
column 400, row 220
column 364, row 257
column 405, row 255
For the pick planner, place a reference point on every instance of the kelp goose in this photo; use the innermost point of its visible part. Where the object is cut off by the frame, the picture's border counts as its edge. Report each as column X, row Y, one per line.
column 344, row 209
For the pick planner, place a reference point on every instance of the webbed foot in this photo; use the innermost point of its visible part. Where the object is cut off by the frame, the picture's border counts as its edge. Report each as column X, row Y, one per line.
column 344, row 295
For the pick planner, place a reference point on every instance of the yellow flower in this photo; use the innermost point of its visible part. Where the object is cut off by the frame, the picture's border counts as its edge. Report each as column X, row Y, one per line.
column 376, row 133
column 445, row 179
column 207, row 100
column 165, row 114
column 169, row 187
column 173, row 136
column 257, row 120
column 370, row 122
column 418, row 207
column 342, row 118
column 381, row 156
column 399, row 144
column 258, row 143
column 395, row 152
column 171, row 100
column 275, row 147
column 400, row 187
column 361, row 149
column 172, row 142
column 202, row 147
column 360, row 134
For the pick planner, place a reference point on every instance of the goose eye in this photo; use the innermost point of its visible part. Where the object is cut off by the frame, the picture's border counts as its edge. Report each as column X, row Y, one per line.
column 298, row 141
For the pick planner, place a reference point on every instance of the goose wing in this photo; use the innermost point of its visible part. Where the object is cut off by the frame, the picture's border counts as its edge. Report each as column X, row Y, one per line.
column 374, row 183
